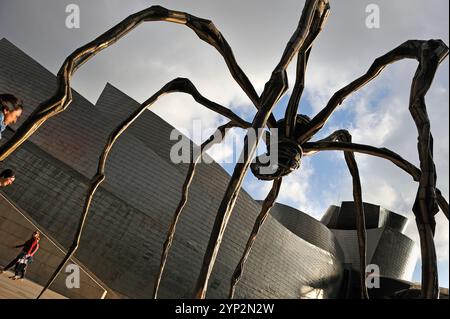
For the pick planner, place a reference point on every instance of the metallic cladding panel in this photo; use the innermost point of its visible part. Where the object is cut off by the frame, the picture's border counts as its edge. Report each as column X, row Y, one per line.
column 344, row 217
column 392, row 220
column 126, row 229
column 307, row 227
column 394, row 253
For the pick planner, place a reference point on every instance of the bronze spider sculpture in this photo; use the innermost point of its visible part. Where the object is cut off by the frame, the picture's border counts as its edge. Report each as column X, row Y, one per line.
column 294, row 139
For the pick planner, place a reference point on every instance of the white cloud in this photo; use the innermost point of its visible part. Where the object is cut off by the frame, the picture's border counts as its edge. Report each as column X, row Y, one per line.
column 296, row 190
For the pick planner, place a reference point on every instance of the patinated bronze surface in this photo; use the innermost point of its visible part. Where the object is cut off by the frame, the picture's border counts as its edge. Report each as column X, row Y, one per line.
column 297, row 132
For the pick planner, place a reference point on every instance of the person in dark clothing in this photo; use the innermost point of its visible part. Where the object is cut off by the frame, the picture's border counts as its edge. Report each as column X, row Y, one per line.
column 11, row 110
column 20, row 268
column 7, row 177
column 29, row 248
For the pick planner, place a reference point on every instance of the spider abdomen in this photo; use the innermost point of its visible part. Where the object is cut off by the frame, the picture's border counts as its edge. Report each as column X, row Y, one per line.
column 283, row 158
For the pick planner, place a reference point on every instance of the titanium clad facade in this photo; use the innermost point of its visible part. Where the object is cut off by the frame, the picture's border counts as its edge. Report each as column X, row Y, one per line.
column 132, row 210
column 387, row 247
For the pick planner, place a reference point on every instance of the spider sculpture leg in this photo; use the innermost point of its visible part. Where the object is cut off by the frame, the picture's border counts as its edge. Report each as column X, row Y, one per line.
column 290, row 125
column 433, row 50
column 302, row 60
column 430, row 287
column 265, row 209
column 177, row 85
column 291, row 112
column 222, row 130
column 344, row 136
column 62, row 98
column 443, row 204
column 290, row 116
column 429, row 54
column 273, row 91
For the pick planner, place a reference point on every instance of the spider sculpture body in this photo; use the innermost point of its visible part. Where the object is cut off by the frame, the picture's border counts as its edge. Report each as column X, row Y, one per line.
column 294, row 136
column 289, row 150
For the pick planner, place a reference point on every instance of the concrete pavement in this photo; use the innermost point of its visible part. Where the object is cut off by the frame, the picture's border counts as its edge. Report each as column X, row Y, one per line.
column 22, row 289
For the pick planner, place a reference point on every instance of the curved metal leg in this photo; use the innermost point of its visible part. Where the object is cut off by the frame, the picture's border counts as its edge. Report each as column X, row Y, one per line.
column 184, row 197
column 177, row 85
column 265, row 209
column 344, row 136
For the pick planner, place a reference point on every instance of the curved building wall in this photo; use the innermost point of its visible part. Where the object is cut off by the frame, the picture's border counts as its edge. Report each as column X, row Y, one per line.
column 122, row 246
column 344, row 217
column 394, row 253
column 307, row 228
column 392, row 220
column 348, row 241
column 132, row 210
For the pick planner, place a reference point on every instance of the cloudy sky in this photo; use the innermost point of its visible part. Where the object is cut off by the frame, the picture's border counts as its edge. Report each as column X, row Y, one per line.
column 258, row 31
